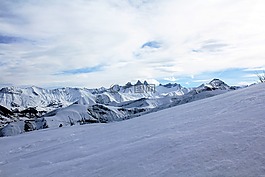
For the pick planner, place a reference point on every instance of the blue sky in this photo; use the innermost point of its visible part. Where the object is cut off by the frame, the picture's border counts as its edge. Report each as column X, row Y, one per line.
column 101, row 42
column 82, row 70
column 10, row 40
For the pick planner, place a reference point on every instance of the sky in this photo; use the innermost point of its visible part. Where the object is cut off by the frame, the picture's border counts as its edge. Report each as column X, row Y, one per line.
column 94, row 43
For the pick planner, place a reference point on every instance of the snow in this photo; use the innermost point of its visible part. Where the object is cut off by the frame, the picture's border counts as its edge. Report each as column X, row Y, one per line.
column 219, row 136
column 64, row 116
column 13, row 129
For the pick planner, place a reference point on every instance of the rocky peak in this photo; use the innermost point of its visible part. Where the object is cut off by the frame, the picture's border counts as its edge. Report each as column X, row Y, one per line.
column 139, row 83
column 219, row 84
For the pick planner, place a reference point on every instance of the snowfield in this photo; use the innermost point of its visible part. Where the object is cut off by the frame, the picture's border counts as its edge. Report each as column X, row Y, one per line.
column 221, row 136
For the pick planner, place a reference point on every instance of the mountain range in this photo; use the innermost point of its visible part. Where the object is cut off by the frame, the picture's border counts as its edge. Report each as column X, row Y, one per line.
column 31, row 108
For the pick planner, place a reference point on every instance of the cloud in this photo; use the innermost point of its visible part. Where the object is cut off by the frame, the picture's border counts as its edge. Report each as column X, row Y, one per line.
column 211, row 46
column 131, row 39
column 171, row 79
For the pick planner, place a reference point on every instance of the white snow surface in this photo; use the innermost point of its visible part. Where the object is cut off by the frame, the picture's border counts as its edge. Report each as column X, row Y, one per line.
column 62, row 116
column 221, row 136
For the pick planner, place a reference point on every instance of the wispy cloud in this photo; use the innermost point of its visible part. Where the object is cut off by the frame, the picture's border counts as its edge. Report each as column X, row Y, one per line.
column 171, row 79
column 211, row 46
column 147, row 39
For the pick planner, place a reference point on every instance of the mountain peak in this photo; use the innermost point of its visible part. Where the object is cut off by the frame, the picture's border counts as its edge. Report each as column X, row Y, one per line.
column 129, row 84
column 11, row 89
column 139, row 83
column 169, row 85
column 217, row 80
column 145, row 83
column 218, row 83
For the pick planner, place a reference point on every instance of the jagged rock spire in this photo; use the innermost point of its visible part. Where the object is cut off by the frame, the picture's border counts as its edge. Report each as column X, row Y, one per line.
column 129, row 84
column 139, row 83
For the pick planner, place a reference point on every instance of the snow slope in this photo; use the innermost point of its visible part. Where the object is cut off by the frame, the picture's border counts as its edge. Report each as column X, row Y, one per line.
column 218, row 136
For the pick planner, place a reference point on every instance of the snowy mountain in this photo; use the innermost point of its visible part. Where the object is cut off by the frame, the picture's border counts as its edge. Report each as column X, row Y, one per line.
column 22, row 98
column 218, row 136
column 69, row 106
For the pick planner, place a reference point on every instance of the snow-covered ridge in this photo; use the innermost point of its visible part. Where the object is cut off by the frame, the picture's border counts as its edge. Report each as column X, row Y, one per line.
column 217, row 136
column 21, row 98
column 49, row 99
